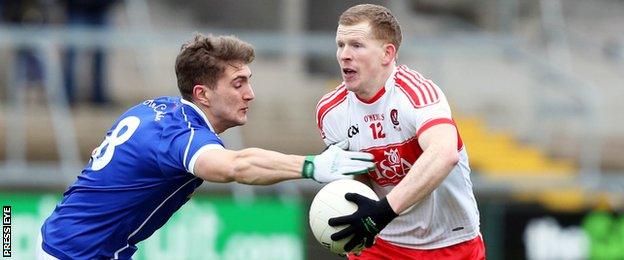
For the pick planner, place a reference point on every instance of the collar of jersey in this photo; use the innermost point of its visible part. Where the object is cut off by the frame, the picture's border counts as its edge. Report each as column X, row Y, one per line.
column 199, row 111
column 376, row 97
column 391, row 80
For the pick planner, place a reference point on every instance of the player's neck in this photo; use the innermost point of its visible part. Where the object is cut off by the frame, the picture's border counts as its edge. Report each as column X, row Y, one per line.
column 212, row 120
column 216, row 126
column 376, row 84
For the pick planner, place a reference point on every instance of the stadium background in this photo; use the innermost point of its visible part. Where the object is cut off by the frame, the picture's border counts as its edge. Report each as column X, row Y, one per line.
column 535, row 86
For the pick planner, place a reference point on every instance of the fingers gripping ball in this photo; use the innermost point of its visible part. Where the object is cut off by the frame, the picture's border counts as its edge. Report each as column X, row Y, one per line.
column 330, row 202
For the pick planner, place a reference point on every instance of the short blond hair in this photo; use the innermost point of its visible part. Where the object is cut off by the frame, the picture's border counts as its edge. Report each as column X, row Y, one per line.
column 385, row 26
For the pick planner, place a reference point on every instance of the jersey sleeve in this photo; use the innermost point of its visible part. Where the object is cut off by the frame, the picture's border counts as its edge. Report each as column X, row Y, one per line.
column 438, row 113
column 179, row 152
column 329, row 132
column 423, row 96
column 327, row 110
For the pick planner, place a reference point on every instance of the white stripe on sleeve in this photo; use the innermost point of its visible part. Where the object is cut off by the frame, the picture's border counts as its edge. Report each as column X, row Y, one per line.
column 191, row 165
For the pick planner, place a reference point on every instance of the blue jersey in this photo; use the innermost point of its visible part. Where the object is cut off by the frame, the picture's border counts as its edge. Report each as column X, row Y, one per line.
column 136, row 179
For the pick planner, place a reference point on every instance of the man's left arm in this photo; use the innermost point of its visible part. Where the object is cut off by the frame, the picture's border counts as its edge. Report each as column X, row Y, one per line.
column 439, row 145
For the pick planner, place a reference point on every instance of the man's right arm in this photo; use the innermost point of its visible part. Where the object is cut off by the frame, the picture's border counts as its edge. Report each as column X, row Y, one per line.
column 248, row 166
column 257, row 166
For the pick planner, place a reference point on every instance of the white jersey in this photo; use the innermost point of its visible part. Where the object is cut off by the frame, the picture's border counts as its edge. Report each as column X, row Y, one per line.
column 388, row 126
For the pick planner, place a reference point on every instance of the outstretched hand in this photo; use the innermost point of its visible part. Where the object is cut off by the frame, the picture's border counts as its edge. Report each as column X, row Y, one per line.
column 365, row 223
column 335, row 163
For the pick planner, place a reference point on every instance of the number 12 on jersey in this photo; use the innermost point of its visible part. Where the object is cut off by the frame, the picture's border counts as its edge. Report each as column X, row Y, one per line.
column 377, row 129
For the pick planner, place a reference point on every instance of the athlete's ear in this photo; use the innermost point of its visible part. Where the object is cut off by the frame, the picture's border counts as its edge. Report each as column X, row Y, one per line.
column 389, row 55
column 202, row 94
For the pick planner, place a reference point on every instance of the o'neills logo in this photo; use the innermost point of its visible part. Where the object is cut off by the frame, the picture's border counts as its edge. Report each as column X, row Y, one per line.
column 394, row 116
column 373, row 118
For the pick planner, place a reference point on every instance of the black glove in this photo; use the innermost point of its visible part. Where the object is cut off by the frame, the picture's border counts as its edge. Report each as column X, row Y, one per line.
column 366, row 222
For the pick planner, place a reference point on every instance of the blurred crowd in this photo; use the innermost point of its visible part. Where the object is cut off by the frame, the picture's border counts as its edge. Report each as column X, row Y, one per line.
column 29, row 68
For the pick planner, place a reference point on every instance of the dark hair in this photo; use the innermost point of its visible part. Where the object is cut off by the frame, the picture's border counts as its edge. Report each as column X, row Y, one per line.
column 203, row 60
column 383, row 24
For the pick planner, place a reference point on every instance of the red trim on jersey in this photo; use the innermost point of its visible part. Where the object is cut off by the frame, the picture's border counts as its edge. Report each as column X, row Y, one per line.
column 418, row 85
column 408, row 80
column 376, row 97
column 332, row 94
column 409, row 92
column 425, row 83
column 391, row 145
column 438, row 121
column 329, row 105
column 432, row 122
column 473, row 249
column 422, row 80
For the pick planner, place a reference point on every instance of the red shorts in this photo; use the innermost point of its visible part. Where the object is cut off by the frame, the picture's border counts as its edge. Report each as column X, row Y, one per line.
column 471, row 249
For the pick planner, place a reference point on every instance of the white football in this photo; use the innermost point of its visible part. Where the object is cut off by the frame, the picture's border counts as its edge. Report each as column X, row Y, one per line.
column 330, row 202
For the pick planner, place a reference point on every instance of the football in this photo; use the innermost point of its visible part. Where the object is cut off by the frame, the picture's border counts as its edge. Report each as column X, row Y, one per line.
column 330, row 202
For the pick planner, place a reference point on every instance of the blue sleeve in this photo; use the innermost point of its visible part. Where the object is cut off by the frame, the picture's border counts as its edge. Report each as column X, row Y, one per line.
column 179, row 150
